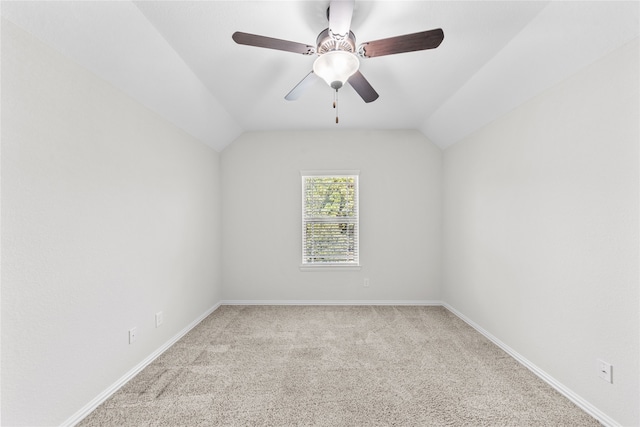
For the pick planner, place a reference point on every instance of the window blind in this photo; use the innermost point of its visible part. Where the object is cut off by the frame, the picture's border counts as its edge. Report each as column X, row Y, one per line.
column 330, row 220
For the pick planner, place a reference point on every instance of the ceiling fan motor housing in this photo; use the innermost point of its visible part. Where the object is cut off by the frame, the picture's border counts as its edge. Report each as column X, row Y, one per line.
column 327, row 42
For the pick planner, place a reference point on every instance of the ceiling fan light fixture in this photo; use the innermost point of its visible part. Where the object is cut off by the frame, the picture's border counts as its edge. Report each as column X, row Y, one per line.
column 335, row 67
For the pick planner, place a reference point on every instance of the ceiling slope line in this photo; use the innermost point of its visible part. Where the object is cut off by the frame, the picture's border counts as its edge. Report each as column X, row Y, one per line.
column 567, row 35
column 237, row 129
column 452, row 97
column 135, row 59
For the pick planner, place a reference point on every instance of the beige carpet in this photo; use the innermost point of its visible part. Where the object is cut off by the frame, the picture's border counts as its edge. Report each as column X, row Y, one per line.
column 336, row 366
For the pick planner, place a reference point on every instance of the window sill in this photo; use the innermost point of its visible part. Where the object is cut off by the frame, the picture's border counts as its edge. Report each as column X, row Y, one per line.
column 332, row 267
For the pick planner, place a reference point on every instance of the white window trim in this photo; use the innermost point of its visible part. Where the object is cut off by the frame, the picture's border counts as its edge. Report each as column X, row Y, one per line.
column 331, row 266
column 338, row 173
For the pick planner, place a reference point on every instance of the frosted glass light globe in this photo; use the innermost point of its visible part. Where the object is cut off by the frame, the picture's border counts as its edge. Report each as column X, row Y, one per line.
column 335, row 67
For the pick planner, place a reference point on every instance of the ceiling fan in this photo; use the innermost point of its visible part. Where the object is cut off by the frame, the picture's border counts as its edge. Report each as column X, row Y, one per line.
column 337, row 61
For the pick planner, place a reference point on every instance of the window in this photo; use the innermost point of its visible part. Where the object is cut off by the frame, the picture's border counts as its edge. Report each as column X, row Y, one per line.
column 330, row 219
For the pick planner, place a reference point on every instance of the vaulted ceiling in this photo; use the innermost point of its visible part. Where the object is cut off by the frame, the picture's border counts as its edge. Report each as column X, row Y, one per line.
column 178, row 59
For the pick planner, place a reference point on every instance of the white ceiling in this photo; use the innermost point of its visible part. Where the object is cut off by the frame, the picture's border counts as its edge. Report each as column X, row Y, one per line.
column 178, row 59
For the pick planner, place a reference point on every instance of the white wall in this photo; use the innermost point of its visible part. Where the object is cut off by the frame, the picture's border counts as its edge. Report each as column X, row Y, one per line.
column 109, row 214
column 541, row 231
column 399, row 215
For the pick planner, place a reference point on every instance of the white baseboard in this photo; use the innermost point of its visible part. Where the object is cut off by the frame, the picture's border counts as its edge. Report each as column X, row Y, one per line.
column 332, row 302
column 603, row 418
column 98, row 400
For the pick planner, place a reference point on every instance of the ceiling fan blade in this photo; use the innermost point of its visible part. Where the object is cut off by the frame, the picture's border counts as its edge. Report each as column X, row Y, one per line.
column 362, row 86
column 340, row 13
column 429, row 39
column 301, row 87
column 271, row 43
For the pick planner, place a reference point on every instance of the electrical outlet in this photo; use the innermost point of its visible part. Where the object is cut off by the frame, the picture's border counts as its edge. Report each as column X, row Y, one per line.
column 133, row 335
column 605, row 371
column 159, row 319
column 366, row 282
